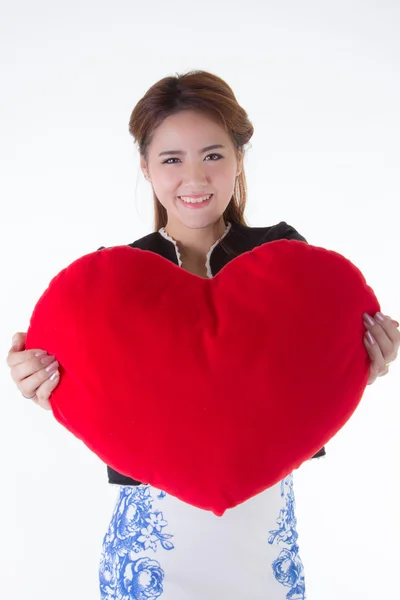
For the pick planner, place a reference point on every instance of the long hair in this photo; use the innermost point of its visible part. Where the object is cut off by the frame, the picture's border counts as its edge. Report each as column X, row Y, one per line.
column 202, row 91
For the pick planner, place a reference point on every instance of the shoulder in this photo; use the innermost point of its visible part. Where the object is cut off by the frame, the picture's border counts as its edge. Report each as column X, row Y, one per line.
column 147, row 242
column 261, row 235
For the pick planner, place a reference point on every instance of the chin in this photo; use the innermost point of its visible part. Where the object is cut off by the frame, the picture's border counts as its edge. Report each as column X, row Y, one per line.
column 201, row 223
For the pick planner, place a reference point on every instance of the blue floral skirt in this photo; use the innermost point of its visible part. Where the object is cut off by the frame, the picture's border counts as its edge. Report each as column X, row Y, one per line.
column 157, row 546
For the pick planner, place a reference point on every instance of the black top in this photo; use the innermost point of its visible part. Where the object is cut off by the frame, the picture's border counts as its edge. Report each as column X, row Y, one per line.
column 238, row 240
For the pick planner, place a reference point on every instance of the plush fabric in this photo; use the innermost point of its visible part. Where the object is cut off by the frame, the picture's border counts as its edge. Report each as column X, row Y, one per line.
column 210, row 389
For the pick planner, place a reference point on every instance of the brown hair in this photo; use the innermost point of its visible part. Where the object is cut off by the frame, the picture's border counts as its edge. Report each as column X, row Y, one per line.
column 195, row 90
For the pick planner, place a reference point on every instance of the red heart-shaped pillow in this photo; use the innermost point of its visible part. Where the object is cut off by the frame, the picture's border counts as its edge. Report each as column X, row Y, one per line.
column 210, row 389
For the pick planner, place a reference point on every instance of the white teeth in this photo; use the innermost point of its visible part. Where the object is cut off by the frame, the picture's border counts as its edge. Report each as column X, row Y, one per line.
column 194, row 200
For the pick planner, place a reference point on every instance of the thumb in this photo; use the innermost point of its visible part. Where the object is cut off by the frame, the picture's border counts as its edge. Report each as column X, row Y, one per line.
column 18, row 342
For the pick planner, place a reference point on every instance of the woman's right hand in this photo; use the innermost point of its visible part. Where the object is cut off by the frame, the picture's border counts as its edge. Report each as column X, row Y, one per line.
column 35, row 376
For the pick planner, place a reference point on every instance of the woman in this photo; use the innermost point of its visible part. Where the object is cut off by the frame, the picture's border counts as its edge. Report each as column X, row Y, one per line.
column 191, row 134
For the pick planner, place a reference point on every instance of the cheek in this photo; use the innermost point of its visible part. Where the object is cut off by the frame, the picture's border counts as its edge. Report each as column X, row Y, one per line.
column 224, row 182
column 224, row 175
column 165, row 183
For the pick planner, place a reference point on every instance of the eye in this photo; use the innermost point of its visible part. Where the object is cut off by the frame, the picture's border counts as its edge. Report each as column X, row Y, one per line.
column 218, row 155
column 166, row 162
column 168, row 159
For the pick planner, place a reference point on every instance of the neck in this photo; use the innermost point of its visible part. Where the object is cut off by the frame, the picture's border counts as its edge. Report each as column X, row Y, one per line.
column 194, row 244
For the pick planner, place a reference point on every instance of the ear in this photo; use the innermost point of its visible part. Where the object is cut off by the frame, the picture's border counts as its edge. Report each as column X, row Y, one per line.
column 144, row 168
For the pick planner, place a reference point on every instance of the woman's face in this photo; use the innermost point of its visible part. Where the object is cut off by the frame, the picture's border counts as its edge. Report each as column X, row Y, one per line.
column 181, row 162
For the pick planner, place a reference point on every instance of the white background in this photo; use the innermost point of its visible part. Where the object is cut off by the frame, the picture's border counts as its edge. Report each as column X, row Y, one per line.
column 320, row 82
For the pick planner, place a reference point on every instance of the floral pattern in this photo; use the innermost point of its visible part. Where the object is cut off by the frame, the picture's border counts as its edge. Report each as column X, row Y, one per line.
column 135, row 528
column 138, row 530
column 288, row 568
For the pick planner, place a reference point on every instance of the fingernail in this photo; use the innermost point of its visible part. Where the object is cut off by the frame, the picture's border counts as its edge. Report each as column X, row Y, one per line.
column 55, row 375
column 396, row 323
column 51, row 367
column 369, row 320
column 13, row 348
column 370, row 338
column 46, row 360
column 40, row 353
column 380, row 317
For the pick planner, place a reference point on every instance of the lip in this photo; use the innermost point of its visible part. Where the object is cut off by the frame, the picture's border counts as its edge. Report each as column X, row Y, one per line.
column 195, row 196
column 196, row 205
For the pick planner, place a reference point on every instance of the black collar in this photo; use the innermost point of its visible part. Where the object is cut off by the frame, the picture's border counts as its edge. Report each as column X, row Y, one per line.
column 239, row 239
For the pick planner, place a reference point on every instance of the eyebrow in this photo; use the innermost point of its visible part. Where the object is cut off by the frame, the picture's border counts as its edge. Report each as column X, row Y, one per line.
column 180, row 152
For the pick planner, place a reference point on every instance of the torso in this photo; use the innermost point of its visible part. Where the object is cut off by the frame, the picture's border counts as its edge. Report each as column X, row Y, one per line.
column 196, row 269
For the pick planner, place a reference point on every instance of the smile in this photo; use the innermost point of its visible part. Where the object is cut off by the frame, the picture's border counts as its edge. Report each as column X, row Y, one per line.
column 195, row 202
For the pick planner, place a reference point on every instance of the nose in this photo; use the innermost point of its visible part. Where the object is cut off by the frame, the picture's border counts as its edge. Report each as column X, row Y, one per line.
column 194, row 176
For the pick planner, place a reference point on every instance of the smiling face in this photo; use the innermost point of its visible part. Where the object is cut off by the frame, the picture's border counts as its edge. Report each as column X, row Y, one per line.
column 190, row 154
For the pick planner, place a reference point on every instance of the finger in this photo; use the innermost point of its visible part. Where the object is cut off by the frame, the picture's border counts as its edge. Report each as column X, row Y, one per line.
column 29, row 384
column 31, row 365
column 375, row 354
column 382, row 332
column 390, row 327
column 22, row 356
column 18, row 341
column 44, row 391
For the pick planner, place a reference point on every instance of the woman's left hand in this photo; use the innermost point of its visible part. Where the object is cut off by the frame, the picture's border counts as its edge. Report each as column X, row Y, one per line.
column 383, row 345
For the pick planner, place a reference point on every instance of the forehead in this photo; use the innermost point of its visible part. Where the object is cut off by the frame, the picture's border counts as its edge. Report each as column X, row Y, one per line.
column 189, row 128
